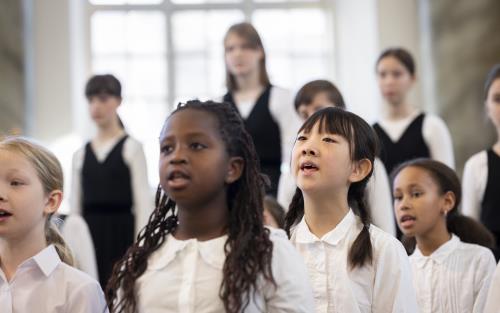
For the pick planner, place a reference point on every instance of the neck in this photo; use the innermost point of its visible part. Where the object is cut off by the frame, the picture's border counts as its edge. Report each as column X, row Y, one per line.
column 324, row 213
column 399, row 110
column 249, row 82
column 496, row 146
column 203, row 222
column 14, row 251
column 431, row 241
column 112, row 130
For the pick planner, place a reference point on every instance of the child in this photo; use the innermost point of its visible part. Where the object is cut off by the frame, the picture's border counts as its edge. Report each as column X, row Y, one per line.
column 481, row 180
column 274, row 214
column 36, row 273
column 405, row 132
column 451, row 273
column 354, row 266
column 205, row 248
column 109, row 182
column 319, row 94
column 493, row 301
column 264, row 108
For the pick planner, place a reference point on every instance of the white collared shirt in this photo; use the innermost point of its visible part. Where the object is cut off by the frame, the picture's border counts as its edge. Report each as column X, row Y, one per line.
column 454, row 278
column 44, row 284
column 384, row 286
column 185, row 276
column 493, row 300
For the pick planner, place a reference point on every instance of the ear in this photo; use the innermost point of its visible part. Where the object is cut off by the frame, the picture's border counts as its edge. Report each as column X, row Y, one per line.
column 449, row 200
column 235, row 168
column 53, row 202
column 360, row 170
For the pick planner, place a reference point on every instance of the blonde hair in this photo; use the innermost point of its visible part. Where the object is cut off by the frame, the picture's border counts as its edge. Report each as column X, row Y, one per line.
column 50, row 173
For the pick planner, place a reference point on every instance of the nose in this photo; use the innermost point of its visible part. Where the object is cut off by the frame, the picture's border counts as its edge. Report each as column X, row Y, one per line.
column 309, row 151
column 178, row 156
column 403, row 204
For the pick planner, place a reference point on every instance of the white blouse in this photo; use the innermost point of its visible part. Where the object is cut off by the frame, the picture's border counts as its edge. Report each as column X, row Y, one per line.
column 384, row 286
column 44, row 284
column 185, row 276
column 133, row 155
column 434, row 131
column 474, row 182
column 493, row 301
column 454, row 278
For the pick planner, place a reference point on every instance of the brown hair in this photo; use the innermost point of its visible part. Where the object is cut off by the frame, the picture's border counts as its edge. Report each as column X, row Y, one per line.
column 306, row 94
column 493, row 75
column 402, row 55
column 250, row 35
column 50, row 173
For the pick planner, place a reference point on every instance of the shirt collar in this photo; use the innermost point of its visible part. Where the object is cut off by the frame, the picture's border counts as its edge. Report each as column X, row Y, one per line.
column 212, row 251
column 333, row 237
column 438, row 256
column 46, row 260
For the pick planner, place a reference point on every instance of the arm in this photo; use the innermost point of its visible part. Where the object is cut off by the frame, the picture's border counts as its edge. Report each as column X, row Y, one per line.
column 438, row 138
column 88, row 298
column 493, row 300
column 393, row 288
column 380, row 199
column 143, row 201
column 484, row 273
column 474, row 184
column 76, row 183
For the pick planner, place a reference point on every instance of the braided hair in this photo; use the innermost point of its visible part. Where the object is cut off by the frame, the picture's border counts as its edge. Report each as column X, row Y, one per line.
column 248, row 248
column 362, row 145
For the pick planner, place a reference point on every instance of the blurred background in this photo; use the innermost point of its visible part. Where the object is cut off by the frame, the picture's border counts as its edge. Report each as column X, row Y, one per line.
column 167, row 51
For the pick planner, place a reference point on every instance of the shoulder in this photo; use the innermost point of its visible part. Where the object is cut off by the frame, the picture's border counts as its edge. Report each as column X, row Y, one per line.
column 432, row 121
column 474, row 253
column 280, row 96
column 478, row 160
column 282, row 247
column 385, row 244
column 77, row 282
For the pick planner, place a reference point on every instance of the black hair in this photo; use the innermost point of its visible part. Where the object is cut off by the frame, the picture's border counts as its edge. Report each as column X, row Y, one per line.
column 248, row 247
column 467, row 229
column 306, row 94
column 402, row 55
column 275, row 209
column 362, row 145
column 493, row 75
column 103, row 84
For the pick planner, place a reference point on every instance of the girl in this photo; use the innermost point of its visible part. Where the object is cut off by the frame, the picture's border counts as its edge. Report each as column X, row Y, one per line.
column 264, row 108
column 354, row 266
column 109, row 182
column 36, row 273
column 481, row 180
column 405, row 132
column 319, row 94
column 205, row 248
column 451, row 274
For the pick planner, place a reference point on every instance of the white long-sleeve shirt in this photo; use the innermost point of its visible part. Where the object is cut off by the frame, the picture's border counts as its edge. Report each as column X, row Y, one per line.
column 453, row 279
column 133, row 156
column 185, row 276
column 474, row 182
column 434, row 131
column 384, row 286
column 44, row 284
column 378, row 195
column 493, row 300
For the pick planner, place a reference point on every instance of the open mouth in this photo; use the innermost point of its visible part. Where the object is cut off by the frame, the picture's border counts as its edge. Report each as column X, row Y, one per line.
column 178, row 179
column 308, row 167
column 407, row 221
column 4, row 214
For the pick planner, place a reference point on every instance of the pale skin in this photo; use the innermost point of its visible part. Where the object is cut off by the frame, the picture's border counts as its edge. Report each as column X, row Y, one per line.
column 395, row 82
column 103, row 111
column 243, row 62
column 325, row 189
column 21, row 240
column 416, row 194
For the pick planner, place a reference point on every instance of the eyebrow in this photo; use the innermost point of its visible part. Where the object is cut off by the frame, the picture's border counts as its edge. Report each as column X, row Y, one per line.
column 190, row 135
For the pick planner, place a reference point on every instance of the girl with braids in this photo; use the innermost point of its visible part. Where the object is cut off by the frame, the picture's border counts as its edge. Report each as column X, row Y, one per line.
column 451, row 272
column 205, row 248
column 354, row 266
column 36, row 266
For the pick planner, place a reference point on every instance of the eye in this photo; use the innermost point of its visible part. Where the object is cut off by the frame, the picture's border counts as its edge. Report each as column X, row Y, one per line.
column 416, row 194
column 16, row 183
column 329, row 140
column 301, row 138
column 197, row 146
column 397, row 197
column 166, row 149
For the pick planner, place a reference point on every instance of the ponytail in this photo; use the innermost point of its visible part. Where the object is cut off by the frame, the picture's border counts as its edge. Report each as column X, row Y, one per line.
column 469, row 230
column 53, row 236
column 361, row 250
column 295, row 211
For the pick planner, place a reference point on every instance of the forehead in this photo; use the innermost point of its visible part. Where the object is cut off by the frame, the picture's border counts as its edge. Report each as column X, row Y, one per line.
column 495, row 86
column 190, row 121
column 413, row 175
column 12, row 160
column 391, row 62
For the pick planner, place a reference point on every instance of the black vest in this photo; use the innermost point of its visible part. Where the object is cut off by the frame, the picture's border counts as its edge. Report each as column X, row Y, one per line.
column 106, row 186
column 411, row 145
column 490, row 206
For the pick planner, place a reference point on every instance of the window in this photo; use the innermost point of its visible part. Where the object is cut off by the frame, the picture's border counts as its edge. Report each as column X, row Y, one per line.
column 169, row 51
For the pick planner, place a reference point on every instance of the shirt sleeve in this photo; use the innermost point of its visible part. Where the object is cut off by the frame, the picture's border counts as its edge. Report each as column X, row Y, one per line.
column 393, row 287
column 380, row 200
column 293, row 292
column 88, row 298
column 77, row 235
column 484, row 273
column 143, row 200
column 493, row 300
column 438, row 138
column 76, row 183
column 474, row 184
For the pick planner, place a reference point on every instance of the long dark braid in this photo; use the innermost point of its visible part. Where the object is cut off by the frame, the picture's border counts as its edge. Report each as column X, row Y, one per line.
column 363, row 145
column 248, row 247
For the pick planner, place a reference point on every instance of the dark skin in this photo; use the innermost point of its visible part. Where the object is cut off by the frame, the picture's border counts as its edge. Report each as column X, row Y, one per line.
column 195, row 170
